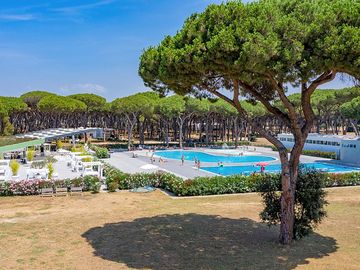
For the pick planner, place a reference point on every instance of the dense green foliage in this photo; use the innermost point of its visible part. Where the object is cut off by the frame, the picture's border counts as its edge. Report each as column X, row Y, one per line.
column 351, row 109
column 8, row 106
column 60, row 104
column 94, row 103
column 317, row 153
column 309, row 201
column 32, row 98
column 100, row 152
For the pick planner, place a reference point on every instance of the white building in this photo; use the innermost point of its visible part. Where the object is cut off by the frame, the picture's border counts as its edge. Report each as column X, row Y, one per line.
column 350, row 151
column 345, row 147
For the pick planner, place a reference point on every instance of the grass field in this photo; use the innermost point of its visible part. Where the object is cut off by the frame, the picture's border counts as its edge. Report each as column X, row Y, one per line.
column 153, row 231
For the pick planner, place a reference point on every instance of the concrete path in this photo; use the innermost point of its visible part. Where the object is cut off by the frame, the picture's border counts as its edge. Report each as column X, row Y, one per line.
column 126, row 163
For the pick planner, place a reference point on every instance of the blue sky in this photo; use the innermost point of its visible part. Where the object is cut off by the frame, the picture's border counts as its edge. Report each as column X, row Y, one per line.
column 72, row 46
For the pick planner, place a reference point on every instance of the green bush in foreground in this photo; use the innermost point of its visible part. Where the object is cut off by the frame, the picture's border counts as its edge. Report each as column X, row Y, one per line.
column 309, row 201
column 100, row 152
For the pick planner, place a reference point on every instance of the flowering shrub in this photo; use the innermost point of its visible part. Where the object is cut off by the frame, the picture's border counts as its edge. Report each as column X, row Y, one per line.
column 25, row 187
column 33, row 187
column 342, row 179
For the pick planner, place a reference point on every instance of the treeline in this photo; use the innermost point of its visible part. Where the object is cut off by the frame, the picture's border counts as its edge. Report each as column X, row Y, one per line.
column 148, row 116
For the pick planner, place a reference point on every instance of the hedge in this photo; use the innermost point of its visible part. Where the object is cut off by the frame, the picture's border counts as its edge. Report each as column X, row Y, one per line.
column 100, row 152
column 314, row 153
column 33, row 187
column 115, row 179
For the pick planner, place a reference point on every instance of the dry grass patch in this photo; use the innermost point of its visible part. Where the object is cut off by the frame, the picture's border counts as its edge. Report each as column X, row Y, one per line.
column 152, row 231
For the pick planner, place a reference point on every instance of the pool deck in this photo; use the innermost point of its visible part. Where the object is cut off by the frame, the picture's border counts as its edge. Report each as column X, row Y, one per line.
column 126, row 163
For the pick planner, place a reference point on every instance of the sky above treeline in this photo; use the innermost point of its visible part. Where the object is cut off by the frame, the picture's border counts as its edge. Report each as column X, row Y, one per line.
column 79, row 46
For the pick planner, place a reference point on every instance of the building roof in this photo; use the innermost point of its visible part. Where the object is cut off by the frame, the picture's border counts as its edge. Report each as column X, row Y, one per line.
column 56, row 133
column 20, row 146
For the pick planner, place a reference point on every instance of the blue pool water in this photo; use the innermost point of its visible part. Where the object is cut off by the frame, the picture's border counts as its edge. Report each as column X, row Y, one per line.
column 275, row 168
column 205, row 157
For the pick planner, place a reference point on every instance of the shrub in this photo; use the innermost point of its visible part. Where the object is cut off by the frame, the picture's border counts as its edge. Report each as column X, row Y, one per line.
column 25, row 187
column 87, row 159
column 50, row 168
column 30, row 155
column 59, row 144
column 38, row 164
column 101, row 152
column 342, row 179
column 91, row 183
column 14, row 166
column 77, row 148
column 317, row 153
column 314, row 153
column 114, row 178
column 309, row 201
column 5, row 189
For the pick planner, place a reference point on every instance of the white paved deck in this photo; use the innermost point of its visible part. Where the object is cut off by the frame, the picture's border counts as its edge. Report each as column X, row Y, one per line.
column 126, row 163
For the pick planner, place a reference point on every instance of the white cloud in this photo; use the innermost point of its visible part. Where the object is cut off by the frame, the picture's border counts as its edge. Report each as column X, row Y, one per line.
column 17, row 17
column 83, row 88
column 77, row 9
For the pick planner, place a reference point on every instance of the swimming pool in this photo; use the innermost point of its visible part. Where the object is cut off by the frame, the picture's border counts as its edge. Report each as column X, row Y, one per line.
column 275, row 168
column 205, row 157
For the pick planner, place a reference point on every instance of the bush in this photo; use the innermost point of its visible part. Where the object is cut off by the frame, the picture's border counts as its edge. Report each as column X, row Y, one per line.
column 317, row 153
column 59, row 144
column 91, row 183
column 114, row 178
column 309, row 201
column 51, row 170
column 77, row 148
column 30, row 155
column 342, row 179
column 87, row 159
column 314, row 153
column 25, row 187
column 101, row 152
column 14, row 166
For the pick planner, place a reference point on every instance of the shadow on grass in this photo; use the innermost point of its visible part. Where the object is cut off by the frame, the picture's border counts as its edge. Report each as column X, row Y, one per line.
column 193, row 241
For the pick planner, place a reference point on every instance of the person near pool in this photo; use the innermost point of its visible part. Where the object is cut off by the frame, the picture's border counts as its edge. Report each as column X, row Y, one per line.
column 220, row 164
column 198, row 164
column 195, row 160
column 182, row 160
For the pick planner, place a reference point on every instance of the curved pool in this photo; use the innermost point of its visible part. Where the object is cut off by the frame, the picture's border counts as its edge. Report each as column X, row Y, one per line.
column 276, row 168
column 206, row 157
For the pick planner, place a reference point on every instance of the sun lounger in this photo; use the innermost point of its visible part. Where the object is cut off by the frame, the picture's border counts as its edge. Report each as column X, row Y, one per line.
column 61, row 191
column 47, row 192
column 76, row 191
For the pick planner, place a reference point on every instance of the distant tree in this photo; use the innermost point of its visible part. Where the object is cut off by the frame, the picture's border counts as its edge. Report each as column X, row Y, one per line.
column 32, row 98
column 9, row 106
column 94, row 103
column 351, row 110
column 59, row 111
column 132, row 107
column 255, row 50
column 60, row 104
